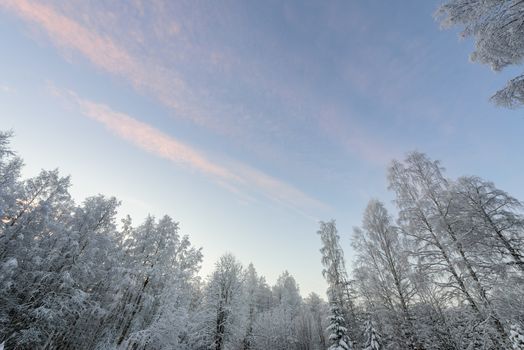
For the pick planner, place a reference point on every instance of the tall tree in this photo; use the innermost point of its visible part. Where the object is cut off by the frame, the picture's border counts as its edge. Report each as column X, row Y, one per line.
column 224, row 307
column 495, row 220
column 382, row 259
column 429, row 212
column 160, row 262
column 286, row 293
column 335, row 273
column 10, row 183
column 319, row 310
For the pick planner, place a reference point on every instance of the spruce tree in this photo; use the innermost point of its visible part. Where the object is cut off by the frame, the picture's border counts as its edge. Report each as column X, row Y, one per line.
column 337, row 330
column 373, row 338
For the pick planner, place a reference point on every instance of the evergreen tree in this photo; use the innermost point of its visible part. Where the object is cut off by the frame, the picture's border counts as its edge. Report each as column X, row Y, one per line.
column 373, row 338
column 337, row 331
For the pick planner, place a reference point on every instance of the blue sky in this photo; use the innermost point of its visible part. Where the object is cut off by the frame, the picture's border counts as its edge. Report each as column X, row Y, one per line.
column 248, row 121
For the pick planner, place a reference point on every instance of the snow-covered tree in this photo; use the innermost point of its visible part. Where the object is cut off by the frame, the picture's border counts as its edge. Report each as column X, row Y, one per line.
column 251, row 282
column 383, row 272
column 448, row 275
column 336, row 275
column 337, row 330
column 319, row 311
column 498, row 29
column 42, row 294
column 495, row 220
column 286, row 294
column 430, row 215
column 10, row 184
column 224, row 310
column 287, row 324
column 162, row 262
column 274, row 329
column 372, row 337
column 516, row 336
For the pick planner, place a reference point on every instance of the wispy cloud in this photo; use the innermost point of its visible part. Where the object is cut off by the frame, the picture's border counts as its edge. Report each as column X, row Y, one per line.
column 153, row 140
column 168, row 87
column 208, row 104
column 101, row 51
column 355, row 139
column 279, row 191
column 239, row 178
column 163, row 83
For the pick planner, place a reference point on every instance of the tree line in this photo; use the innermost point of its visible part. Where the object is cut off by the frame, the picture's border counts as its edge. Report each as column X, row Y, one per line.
column 72, row 278
column 447, row 273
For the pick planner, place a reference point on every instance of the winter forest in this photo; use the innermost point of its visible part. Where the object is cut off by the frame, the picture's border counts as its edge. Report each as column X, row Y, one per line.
column 441, row 267
column 448, row 274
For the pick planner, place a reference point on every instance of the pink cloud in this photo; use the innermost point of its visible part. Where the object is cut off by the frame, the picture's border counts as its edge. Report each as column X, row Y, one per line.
column 237, row 178
column 166, row 86
column 101, row 51
column 162, row 83
column 153, row 140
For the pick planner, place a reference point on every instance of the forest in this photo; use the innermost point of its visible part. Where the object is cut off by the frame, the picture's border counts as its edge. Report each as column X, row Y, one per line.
column 447, row 273
column 440, row 267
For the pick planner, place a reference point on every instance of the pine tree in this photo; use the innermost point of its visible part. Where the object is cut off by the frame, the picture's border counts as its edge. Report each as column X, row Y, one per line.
column 373, row 338
column 337, row 330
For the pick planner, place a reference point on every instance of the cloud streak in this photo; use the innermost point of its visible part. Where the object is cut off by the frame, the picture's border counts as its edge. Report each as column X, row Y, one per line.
column 238, row 178
column 162, row 83
column 354, row 139
column 168, row 85
column 101, row 51
column 153, row 140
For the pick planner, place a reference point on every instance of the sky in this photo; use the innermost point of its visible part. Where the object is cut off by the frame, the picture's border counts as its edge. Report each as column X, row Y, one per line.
column 249, row 121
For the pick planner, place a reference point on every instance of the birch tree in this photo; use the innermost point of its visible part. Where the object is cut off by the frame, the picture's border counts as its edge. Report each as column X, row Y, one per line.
column 498, row 30
column 223, row 306
column 335, row 273
column 428, row 211
column 381, row 254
